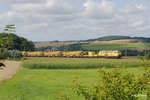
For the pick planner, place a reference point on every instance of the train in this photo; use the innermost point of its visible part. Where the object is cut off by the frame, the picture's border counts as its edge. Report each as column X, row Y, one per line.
column 75, row 54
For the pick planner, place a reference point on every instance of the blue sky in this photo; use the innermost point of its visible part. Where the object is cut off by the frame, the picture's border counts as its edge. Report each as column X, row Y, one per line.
column 48, row 20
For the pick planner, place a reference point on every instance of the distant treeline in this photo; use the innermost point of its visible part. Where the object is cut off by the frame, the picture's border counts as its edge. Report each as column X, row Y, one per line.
column 15, row 42
column 72, row 47
column 135, row 52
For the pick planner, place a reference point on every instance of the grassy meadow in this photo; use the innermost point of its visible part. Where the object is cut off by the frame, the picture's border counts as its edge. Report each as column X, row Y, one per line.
column 51, row 78
column 43, row 84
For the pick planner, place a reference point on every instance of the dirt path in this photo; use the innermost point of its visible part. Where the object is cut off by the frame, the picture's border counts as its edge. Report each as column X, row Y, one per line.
column 10, row 70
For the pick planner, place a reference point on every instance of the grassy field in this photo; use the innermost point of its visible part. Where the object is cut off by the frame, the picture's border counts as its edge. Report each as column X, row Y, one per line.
column 52, row 83
column 44, row 84
column 114, row 45
column 78, row 63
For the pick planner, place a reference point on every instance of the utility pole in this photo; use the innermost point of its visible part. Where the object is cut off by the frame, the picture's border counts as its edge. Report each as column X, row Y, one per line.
column 126, row 50
column 145, row 49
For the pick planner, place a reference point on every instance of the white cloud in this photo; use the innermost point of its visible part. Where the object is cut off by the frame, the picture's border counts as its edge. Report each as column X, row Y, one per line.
column 34, row 26
column 54, row 7
column 64, row 20
column 20, row 1
column 144, row 28
column 102, row 10
column 133, row 9
column 137, row 24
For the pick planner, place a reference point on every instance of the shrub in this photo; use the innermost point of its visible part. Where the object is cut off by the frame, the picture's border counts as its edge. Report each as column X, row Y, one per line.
column 115, row 85
column 10, row 54
column 15, row 54
column 4, row 54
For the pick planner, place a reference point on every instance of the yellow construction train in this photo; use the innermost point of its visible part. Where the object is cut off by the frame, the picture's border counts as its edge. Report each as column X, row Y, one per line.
column 76, row 54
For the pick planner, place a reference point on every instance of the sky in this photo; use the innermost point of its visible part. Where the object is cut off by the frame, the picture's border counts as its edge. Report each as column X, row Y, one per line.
column 49, row 20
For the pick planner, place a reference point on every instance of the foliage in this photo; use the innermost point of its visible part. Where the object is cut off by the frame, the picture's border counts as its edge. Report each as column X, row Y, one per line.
column 17, row 43
column 4, row 54
column 72, row 47
column 115, row 85
column 133, row 52
column 10, row 54
column 77, row 63
column 148, row 55
column 43, row 48
column 10, row 41
column 10, row 29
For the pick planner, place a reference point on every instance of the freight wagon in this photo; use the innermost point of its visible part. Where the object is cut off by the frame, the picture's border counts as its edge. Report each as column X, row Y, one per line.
column 76, row 54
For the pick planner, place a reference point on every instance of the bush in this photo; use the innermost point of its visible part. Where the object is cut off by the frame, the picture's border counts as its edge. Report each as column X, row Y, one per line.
column 4, row 54
column 115, row 85
column 15, row 54
column 10, row 54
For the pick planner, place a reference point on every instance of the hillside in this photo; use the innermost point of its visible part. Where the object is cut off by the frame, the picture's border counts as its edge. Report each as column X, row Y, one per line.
column 115, row 45
column 58, row 44
column 104, row 43
column 109, row 38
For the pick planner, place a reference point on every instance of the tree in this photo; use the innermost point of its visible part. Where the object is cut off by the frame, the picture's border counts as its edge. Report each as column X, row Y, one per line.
column 9, row 40
column 10, row 29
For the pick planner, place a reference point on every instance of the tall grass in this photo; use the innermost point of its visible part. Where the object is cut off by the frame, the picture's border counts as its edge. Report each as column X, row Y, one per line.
column 78, row 63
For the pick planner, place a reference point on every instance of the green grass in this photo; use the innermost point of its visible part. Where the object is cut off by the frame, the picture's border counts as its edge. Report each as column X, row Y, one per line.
column 43, row 84
column 114, row 45
column 78, row 63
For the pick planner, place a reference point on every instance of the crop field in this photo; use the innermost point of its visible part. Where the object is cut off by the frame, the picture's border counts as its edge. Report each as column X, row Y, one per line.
column 114, row 45
column 78, row 63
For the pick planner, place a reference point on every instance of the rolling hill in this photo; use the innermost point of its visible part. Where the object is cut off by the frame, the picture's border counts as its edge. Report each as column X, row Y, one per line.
column 103, row 43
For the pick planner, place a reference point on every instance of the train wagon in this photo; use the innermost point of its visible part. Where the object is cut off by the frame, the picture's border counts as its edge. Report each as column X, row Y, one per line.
column 24, row 54
column 74, row 54
column 53, row 54
column 90, row 54
column 109, row 54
